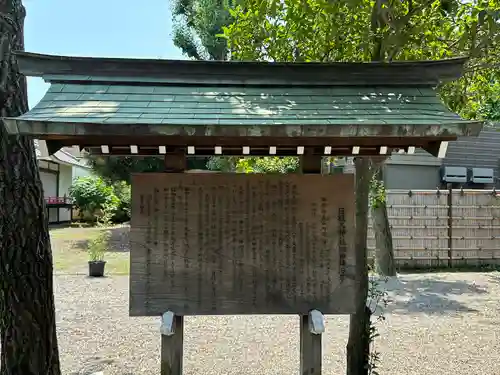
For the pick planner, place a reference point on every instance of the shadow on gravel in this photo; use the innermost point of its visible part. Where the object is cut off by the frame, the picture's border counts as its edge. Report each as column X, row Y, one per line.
column 495, row 278
column 93, row 366
column 118, row 242
column 431, row 296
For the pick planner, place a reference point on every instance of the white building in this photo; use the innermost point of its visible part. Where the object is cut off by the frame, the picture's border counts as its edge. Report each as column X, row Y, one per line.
column 57, row 173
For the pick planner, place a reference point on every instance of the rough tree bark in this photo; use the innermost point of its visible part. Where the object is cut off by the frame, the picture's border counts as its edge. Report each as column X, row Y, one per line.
column 358, row 345
column 27, row 317
column 384, row 253
column 383, row 236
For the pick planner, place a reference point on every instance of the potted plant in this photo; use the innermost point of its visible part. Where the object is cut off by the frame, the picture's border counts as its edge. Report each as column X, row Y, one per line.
column 96, row 248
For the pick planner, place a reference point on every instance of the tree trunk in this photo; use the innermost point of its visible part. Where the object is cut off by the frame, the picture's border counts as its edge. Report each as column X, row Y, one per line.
column 384, row 253
column 27, row 317
column 358, row 345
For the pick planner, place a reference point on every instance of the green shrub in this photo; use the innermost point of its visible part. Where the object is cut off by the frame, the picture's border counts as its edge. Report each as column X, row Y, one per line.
column 98, row 246
column 266, row 164
column 123, row 193
column 95, row 198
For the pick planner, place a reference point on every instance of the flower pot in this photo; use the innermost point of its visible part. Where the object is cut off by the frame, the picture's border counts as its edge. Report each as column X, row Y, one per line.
column 96, row 268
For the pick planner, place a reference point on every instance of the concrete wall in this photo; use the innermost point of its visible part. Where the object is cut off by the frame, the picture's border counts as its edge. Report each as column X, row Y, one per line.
column 411, row 177
column 81, row 172
column 417, row 171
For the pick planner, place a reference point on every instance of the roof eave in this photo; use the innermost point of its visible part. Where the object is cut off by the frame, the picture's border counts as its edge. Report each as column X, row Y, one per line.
column 52, row 130
column 340, row 138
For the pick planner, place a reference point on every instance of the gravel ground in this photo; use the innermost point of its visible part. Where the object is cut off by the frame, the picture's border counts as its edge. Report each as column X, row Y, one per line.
column 447, row 323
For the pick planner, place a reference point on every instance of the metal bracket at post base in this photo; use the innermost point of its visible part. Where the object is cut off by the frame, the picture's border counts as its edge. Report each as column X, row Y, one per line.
column 316, row 322
column 167, row 327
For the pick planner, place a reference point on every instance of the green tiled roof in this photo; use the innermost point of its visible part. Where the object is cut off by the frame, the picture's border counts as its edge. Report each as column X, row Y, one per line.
column 216, row 105
column 159, row 104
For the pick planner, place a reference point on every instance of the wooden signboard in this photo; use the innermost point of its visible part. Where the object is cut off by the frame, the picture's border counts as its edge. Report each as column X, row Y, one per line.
column 229, row 244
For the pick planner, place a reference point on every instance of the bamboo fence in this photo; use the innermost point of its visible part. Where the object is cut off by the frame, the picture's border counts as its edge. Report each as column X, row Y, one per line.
column 443, row 228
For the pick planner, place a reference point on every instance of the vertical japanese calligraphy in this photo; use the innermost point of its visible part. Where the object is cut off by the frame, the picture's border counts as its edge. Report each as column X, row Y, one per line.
column 252, row 238
column 342, row 244
column 186, row 226
column 294, row 207
column 241, row 244
column 324, row 261
column 172, row 221
column 200, row 260
column 214, row 246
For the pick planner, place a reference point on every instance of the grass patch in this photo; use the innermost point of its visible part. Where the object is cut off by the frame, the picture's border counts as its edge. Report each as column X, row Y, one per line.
column 70, row 251
column 117, row 263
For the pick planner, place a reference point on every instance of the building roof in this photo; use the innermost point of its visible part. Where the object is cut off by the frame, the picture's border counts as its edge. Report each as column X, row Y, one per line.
column 63, row 156
column 239, row 73
column 476, row 152
column 170, row 103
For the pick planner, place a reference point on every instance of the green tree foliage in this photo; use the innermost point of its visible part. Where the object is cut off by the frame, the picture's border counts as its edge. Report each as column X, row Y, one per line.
column 197, row 25
column 93, row 196
column 380, row 30
column 120, row 168
column 222, row 163
column 375, row 30
column 101, row 199
column 363, row 30
column 254, row 164
column 123, row 192
column 490, row 108
column 273, row 164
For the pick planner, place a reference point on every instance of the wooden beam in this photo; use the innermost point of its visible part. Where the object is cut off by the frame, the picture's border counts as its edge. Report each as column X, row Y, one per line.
column 242, row 150
column 348, row 135
column 234, row 150
column 437, row 148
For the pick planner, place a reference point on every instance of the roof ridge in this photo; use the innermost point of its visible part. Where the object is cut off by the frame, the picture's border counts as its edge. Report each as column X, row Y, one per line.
column 427, row 72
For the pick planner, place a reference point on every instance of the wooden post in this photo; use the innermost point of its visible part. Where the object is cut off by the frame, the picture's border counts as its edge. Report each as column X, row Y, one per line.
column 310, row 344
column 310, row 163
column 450, row 226
column 172, row 349
column 311, row 355
column 358, row 344
column 175, row 161
column 384, row 250
column 172, row 345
